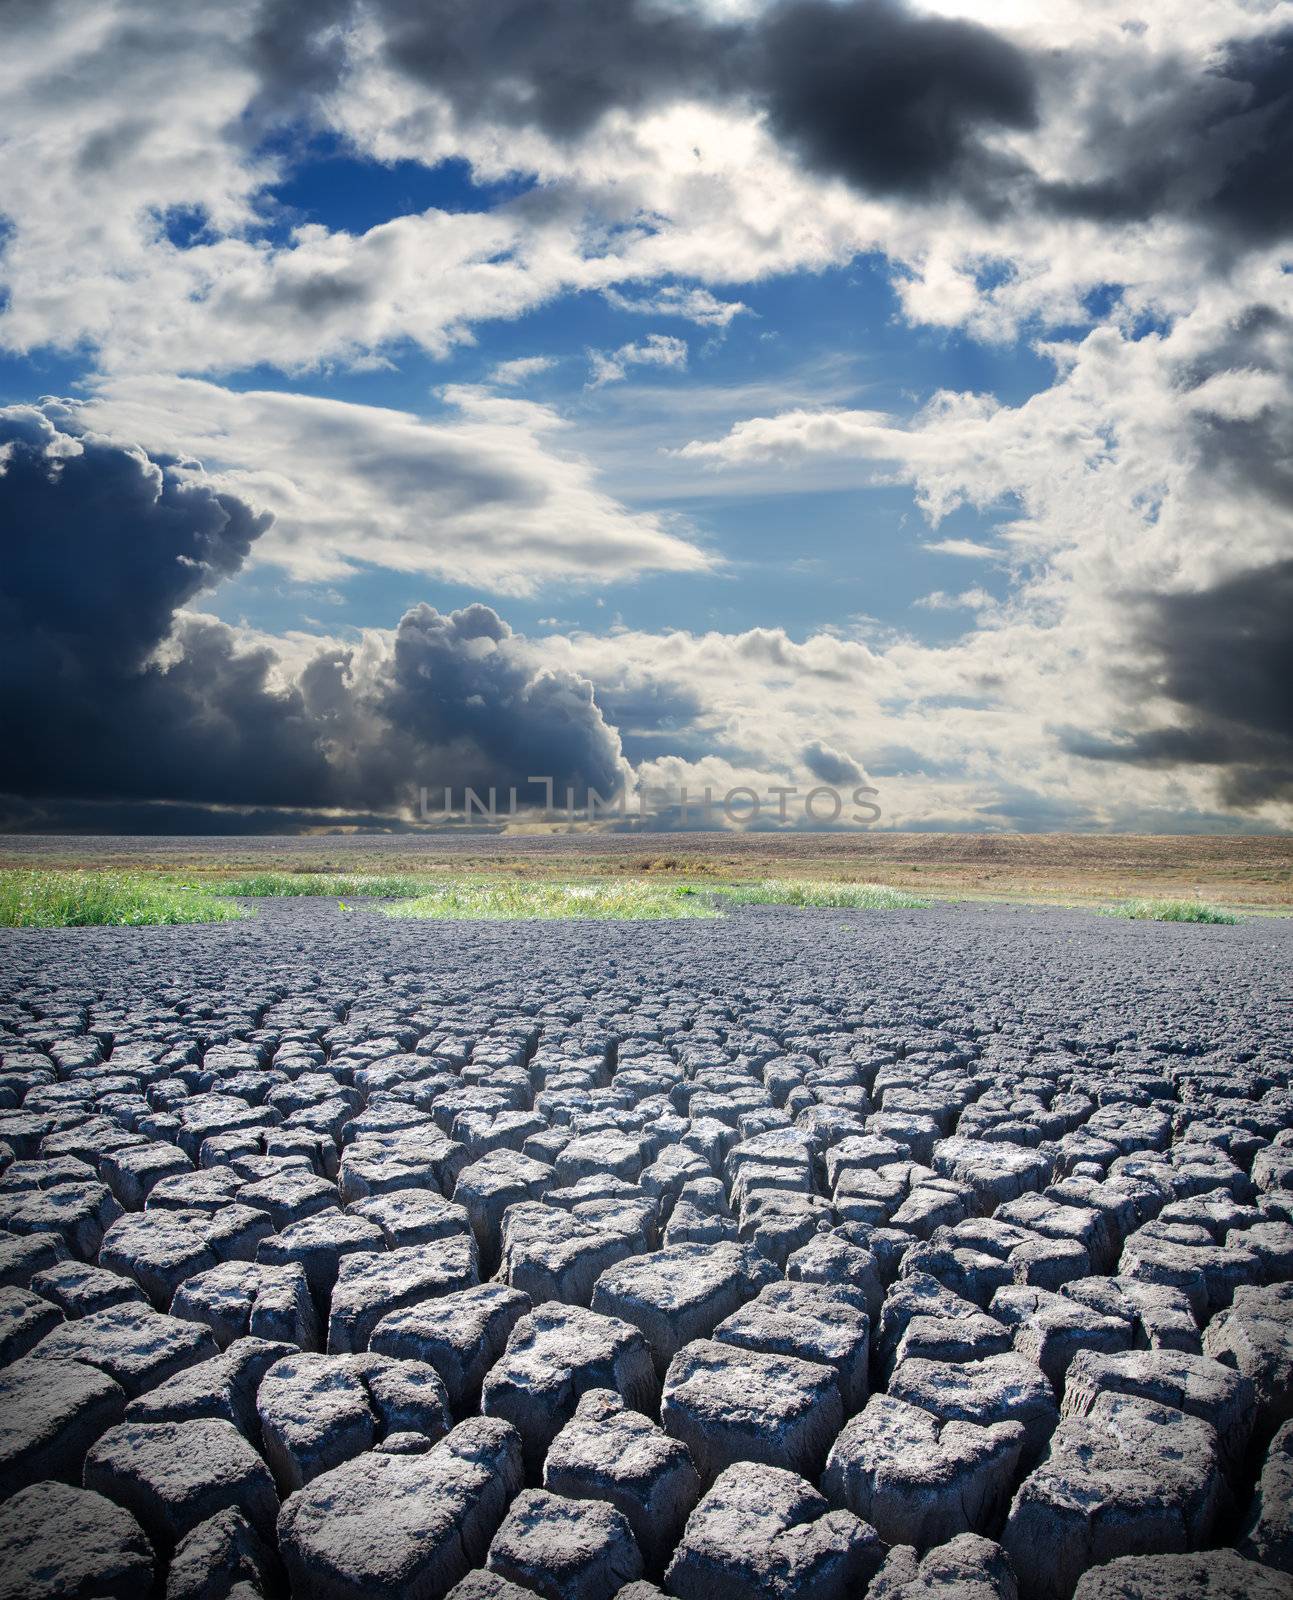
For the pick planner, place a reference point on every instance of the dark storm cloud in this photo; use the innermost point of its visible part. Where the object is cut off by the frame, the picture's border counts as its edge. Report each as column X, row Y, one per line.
column 655, row 718
column 889, row 100
column 111, row 692
column 558, row 65
column 456, row 691
column 1225, row 656
column 102, row 546
column 1214, row 144
column 651, row 705
column 868, row 91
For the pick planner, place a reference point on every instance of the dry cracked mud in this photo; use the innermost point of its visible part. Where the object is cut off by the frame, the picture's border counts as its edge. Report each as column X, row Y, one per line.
column 794, row 1256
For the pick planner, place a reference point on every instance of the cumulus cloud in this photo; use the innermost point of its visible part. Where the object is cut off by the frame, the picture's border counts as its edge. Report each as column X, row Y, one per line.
column 481, row 496
column 461, row 704
column 114, row 692
column 558, row 65
column 150, row 704
column 798, row 436
column 103, row 546
column 871, row 89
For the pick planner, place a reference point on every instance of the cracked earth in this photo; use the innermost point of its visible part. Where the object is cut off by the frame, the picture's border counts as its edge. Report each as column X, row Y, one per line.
column 797, row 1255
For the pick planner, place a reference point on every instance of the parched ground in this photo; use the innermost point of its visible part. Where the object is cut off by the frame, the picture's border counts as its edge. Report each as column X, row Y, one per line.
column 1244, row 870
column 823, row 1254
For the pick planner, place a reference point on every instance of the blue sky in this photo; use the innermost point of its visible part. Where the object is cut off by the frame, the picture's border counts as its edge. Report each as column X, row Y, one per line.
column 805, row 557
column 826, row 433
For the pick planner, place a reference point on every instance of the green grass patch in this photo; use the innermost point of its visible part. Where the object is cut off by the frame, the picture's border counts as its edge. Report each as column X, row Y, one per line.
column 834, row 896
column 105, row 899
column 1169, row 911
column 325, row 885
column 494, row 900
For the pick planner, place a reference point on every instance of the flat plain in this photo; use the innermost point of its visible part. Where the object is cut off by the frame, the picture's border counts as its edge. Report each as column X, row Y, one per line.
column 1252, row 871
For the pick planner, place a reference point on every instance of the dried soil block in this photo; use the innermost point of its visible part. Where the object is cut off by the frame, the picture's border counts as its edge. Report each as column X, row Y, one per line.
column 727, row 1405
column 58, row 1542
column 401, row 1527
column 1129, row 1478
column 763, row 1531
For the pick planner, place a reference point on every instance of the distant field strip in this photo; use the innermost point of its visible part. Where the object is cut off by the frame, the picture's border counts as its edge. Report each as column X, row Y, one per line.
column 1240, row 872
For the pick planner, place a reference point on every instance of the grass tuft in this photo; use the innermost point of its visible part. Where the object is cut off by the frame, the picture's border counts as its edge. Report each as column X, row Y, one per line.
column 324, row 885
column 1169, row 911
column 104, row 899
column 494, row 900
column 836, row 896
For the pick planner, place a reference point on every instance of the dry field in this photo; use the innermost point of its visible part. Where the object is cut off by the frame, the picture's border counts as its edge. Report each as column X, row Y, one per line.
column 1253, row 872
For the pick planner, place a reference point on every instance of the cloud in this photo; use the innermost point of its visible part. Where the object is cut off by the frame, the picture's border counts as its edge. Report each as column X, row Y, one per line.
column 113, row 692
column 894, row 100
column 558, row 65
column 795, row 436
column 1223, row 656
column 471, row 707
column 1198, row 141
column 146, row 704
column 104, row 546
column 21, row 814
column 678, row 300
column 521, row 370
column 971, row 549
column 830, row 766
column 1142, row 506
column 891, row 100
column 478, row 497
column 133, row 540
column 1005, row 171
column 656, row 350
column 975, row 599
column 871, row 90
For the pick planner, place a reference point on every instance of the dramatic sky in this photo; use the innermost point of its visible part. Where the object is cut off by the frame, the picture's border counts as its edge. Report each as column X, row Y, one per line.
column 660, row 392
